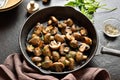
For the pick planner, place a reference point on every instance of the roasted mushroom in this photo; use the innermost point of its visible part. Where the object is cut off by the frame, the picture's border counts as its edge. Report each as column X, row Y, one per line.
column 37, row 51
column 47, row 29
column 69, row 37
column 38, row 29
column 55, row 55
column 62, row 25
column 77, row 35
column 46, row 51
column 72, row 63
column 69, row 22
column 60, row 38
column 47, row 38
column 74, row 44
column 30, row 48
column 55, row 45
column 54, row 31
column 47, row 63
column 84, row 47
column 58, row 66
column 64, row 61
column 62, row 47
column 79, row 56
column 71, row 54
column 54, row 19
column 36, row 59
column 68, row 30
column 87, row 40
column 83, row 31
column 35, row 40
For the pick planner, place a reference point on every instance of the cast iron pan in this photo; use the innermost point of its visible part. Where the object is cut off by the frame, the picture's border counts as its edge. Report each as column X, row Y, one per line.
column 61, row 13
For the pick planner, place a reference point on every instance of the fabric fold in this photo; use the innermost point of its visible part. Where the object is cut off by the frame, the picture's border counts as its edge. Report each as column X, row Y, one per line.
column 16, row 68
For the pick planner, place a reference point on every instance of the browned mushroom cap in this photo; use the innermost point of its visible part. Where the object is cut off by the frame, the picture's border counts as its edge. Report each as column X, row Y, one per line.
column 64, row 61
column 87, row 40
column 55, row 45
column 71, row 54
column 55, row 55
column 47, row 29
column 35, row 40
column 62, row 47
column 47, row 38
column 54, row 19
column 59, row 38
column 74, row 44
column 58, row 66
column 66, row 49
column 54, row 31
column 46, row 51
column 47, row 63
column 72, row 63
column 83, row 31
column 74, row 28
column 49, row 22
column 68, row 30
column 38, row 29
column 69, row 22
column 77, row 35
column 30, row 48
column 84, row 47
column 36, row 59
column 62, row 25
column 78, row 56
column 37, row 51
column 69, row 37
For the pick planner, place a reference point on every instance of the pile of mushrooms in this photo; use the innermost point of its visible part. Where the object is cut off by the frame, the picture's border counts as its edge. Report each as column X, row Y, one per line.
column 58, row 45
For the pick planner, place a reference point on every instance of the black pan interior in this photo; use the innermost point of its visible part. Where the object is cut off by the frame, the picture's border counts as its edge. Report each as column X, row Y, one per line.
column 61, row 13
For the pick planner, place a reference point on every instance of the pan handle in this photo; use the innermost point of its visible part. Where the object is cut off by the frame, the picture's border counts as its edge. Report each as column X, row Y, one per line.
column 111, row 51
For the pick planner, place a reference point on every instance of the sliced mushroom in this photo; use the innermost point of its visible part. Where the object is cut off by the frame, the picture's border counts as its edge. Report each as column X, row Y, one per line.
column 64, row 61
column 30, row 48
column 54, row 19
column 77, row 35
column 78, row 56
column 74, row 44
column 84, row 47
column 83, row 31
column 49, row 22
column 55, row 45
column 59, row 38
column 72, row 54
column 58, row 66
column 62, row 47
column 62, row 25
column 37, row 51
column 87, row 40
column 47, row 29
column 47, row 38
column 38, row 29
column 72, row 63
column 46, row 51
column 35, row 40
column 68, row 30
column 36, row 59
column 69, row 37
column 55, row 55
column 47, row 63
column 54, row 31
column 69, row 22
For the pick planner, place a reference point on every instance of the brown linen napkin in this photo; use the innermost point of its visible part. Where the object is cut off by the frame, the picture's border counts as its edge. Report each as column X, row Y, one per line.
column 16, row 68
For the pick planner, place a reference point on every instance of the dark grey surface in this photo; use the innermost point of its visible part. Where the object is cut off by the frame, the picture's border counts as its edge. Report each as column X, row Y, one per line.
column 11, row 23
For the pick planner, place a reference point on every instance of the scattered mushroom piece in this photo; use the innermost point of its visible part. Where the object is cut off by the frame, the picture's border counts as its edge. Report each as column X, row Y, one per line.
column 55, row 55
column 66, row 49
column 54, row 31
column 64, row 61
column 74, row 44
column 59, row 38
column 36, row 59
column 84, row 47
column 68, row 30
column 30, row 48
column 54, row 19
column 38, row 64
column 55, row 45
column 47, row 63
column 38, row 29
column 46, row 51
column 62, row 25
column 35, row 40
column 78, row 56
column 58, row 66
column 74, row 28
column 72, row 54
column 37, row 51
column 49, row 22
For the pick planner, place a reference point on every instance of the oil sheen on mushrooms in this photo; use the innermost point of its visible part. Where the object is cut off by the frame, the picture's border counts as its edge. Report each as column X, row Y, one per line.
column 58, row 45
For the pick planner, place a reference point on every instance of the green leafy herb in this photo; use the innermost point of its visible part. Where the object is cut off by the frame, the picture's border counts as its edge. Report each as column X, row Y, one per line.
column 87, row 7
